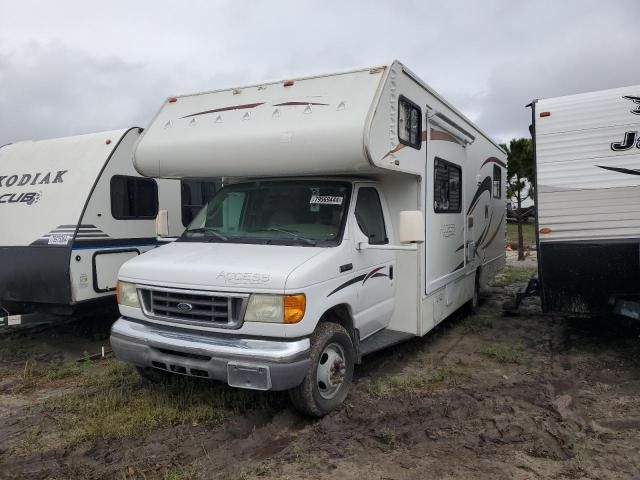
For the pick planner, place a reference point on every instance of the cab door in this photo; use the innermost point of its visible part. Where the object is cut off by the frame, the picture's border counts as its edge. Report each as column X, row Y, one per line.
column 373, row 268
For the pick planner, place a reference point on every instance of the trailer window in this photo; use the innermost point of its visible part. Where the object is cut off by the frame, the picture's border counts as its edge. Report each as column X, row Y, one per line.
column 133, row 198
column 447, row 191
column 497, row 182
column 370, row 217
column 409, row 123
column 195, row 194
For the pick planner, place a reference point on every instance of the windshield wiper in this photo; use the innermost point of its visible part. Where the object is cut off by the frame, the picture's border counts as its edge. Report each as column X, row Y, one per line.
column 216, row 234
column 289, row 232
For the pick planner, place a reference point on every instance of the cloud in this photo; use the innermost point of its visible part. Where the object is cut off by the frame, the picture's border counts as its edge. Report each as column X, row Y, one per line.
column 50, row 91
column 70, row 66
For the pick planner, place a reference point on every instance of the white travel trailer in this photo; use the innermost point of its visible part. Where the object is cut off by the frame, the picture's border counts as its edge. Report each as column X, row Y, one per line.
column 316, row 253
column 587, row 157
column 72, row 211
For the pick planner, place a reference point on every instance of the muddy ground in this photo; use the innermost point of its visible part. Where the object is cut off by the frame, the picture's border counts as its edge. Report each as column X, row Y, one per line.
column 485, row 397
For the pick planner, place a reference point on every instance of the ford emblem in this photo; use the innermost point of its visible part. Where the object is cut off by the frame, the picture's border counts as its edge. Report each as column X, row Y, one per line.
column 185, row 307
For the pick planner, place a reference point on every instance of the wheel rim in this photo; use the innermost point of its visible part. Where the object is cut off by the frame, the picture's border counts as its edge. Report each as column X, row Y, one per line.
column 331, row 370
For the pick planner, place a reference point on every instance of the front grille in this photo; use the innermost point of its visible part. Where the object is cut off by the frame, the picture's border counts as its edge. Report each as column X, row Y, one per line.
column 213, row 309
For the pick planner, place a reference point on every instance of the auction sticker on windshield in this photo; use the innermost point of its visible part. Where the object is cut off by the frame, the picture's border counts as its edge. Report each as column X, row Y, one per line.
column 59, row 239
column 326, row 200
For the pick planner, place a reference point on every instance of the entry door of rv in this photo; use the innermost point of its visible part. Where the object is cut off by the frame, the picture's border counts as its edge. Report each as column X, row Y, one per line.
column 445, row 211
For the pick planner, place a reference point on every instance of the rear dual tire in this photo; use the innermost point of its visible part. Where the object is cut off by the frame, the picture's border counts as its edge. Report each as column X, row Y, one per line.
column 330, row 372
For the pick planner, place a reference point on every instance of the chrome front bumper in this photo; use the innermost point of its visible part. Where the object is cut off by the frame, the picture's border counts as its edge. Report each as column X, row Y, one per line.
column 241, row 362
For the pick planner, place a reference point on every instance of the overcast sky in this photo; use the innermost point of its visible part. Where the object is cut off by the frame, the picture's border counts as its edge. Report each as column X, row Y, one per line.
column 71, row 67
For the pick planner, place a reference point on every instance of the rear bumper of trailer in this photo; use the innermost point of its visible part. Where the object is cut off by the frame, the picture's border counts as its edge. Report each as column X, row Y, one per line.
column 35, row 274
column 242, row 362
column 582, row 277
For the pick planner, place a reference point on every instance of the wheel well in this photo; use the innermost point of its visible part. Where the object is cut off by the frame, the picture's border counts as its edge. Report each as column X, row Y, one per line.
column 341, row 314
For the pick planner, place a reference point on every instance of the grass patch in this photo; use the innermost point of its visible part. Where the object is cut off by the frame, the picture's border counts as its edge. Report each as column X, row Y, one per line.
column 528, row 233
column 478, row 322
column 178, row 473
column 409, row 383
column 511, row 274
column 60, row 370
column 34, row 374
column 388, row 437
column 504, row 353
column 294, row 453
column 113, row 402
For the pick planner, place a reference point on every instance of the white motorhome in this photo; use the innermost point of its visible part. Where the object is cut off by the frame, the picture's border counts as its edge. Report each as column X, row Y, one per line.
column 587, row 157
column 317, row 252
column 72, row 211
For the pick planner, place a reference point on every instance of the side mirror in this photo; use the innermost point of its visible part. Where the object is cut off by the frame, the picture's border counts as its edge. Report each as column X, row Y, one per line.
column 411, row 226
column 162, row 224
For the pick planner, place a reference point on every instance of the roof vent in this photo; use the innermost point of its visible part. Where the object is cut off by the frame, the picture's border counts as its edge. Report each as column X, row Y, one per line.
column 341, row 106
column 246, row 116
column 276, row 113
column 307, row 109
column 219, row 119
column 169, row 124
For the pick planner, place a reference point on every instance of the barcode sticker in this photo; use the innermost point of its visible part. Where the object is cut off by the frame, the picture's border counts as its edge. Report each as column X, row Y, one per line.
column 325, row 200
column 59, row 239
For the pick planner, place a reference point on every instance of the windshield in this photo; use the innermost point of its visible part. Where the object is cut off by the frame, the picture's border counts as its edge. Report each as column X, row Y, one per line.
column 304, row 212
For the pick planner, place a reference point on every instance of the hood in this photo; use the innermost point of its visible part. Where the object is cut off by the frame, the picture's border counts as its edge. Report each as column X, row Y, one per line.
column 239, row 267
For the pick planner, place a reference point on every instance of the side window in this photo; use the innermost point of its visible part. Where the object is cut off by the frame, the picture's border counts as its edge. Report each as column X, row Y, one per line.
column 409, row 123
column 194, row 194
column 133, row 198
column 369, row 216
column 447, row 191
column 497, row 182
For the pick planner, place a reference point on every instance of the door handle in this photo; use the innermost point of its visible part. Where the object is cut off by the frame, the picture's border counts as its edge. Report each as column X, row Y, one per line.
column 346, row 267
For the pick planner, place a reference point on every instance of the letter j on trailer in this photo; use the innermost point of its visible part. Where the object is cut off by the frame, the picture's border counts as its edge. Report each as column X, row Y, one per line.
column 73, row 211
column 361, row 210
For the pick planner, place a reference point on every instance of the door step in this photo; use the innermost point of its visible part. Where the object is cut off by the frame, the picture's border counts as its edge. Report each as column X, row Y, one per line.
column 383, row 339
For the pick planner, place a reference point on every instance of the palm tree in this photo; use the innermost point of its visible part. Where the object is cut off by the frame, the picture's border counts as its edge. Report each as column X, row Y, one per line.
column 520, row 172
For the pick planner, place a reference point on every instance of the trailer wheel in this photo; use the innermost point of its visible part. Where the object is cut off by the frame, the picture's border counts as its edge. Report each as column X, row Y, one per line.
column 330, row 372
column 153, row 375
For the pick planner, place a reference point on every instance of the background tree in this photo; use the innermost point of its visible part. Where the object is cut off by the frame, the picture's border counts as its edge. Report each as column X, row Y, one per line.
column 520, row 181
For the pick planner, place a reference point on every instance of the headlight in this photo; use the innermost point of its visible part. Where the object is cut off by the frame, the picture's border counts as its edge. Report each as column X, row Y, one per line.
column 126, row 294
column 275, row 308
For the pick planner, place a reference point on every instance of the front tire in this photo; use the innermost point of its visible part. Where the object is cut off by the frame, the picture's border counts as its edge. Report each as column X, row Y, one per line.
column 328, row 378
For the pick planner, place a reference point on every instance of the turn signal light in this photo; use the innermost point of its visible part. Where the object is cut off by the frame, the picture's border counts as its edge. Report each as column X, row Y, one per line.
column 294, row 306
column 118, row 292
column 288, row 83
column 545, row 230
column 173, row 100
